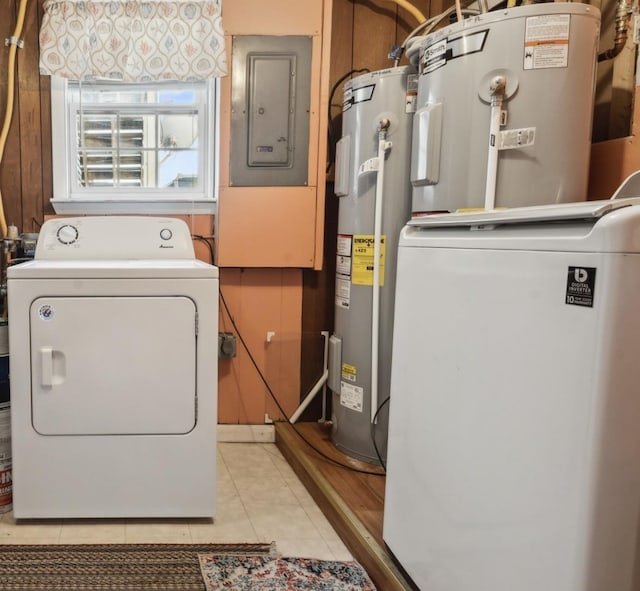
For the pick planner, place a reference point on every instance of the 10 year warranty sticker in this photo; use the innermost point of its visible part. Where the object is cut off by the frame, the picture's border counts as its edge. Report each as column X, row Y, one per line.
column 581, row 284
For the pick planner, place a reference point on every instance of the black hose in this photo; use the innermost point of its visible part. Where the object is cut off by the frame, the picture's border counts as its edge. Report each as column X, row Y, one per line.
column 373, row 432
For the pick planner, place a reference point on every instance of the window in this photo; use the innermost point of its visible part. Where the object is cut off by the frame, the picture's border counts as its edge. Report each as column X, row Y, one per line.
column 134, row 148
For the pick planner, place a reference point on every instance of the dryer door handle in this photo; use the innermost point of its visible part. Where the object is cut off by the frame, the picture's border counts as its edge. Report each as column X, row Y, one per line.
column 46, row 363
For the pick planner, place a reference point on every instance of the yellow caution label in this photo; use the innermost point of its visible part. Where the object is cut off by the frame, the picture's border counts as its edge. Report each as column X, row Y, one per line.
column 362, row 255
column 349, row 372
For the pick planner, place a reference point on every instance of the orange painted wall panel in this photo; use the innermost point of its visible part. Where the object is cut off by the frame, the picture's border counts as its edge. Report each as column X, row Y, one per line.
column 266, row 226
column 268, row 211
column 275, row 17
column 260, row 301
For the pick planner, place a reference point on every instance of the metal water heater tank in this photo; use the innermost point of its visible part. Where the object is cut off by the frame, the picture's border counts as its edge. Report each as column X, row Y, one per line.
column 505, row 105
column 372, row 181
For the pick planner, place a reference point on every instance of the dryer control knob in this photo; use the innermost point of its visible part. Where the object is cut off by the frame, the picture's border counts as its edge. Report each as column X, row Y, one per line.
column 166, row 234
column 67, row 234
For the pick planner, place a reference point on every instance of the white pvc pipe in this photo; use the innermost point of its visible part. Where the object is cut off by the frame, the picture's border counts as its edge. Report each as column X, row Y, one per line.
column 325, row 361
column 383, row 145
column 458, row 6
column 321, row 383
column 309, row 397
column 492, row 159
column 497, row 93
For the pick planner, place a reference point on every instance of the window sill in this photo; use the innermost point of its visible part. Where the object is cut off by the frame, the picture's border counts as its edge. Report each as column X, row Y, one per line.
column 92, row 207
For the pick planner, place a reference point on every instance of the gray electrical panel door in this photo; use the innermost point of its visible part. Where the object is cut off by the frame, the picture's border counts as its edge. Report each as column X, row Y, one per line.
column 270, row 105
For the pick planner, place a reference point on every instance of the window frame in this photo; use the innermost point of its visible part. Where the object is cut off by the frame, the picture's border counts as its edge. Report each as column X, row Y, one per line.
column 67, row 199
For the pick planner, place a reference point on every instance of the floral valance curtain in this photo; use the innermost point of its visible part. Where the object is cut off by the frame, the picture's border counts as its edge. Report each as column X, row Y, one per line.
column 132, row 40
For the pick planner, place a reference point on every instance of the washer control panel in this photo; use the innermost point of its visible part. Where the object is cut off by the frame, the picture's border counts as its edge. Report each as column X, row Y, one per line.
column 114, row 237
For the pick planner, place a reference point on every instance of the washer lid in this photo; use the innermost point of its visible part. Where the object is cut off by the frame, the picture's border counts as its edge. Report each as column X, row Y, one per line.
column 570, row 212
column 605, row 226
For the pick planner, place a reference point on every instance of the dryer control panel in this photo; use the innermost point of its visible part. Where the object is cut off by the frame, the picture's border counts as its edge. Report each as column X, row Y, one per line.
column 114, row 238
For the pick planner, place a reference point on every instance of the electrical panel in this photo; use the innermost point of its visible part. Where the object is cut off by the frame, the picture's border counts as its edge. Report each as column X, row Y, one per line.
column 270, row 105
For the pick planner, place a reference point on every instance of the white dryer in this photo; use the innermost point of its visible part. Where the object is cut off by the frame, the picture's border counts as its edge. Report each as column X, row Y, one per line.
column 113, row 340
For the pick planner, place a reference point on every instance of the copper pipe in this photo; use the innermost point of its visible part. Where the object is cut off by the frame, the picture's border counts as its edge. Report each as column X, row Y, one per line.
column 622, row 26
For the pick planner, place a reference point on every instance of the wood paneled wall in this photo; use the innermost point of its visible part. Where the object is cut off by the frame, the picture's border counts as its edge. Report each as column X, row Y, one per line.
column 363, row 32
column 25, row 172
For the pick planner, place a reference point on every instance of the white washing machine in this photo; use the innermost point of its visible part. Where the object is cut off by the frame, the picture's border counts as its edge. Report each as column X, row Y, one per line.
column 113, row 331
column 514, row 439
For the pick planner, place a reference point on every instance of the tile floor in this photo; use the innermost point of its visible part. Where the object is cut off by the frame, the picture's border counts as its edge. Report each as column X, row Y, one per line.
column 260, row 499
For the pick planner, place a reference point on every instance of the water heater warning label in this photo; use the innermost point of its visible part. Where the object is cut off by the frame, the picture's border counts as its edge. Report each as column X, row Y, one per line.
column 343, row 292
column 349, row 372
column 546, row 42
column 343, row 271
column 351, row 396
column 581, row 284
column 344, row 244
column 411, row 99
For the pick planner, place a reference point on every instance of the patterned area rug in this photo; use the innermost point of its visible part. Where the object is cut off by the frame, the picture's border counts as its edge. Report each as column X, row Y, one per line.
column 113, row 567
column 270, row 573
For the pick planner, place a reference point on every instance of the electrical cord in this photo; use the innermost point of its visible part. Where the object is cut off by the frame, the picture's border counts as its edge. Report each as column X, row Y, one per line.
column 207, row 241
column 373, row 433
column 411, row 9
column 429, row 25
column 271, row 393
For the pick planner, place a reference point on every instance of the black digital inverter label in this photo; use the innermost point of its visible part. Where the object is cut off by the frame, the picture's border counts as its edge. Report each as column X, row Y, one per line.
column 581, row 285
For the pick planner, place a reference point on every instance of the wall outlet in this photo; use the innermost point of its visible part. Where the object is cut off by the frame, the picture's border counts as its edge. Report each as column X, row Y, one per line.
column 226, row 345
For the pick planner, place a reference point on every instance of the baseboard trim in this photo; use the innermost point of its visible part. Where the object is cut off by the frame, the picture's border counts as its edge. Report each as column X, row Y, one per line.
column 246, row 434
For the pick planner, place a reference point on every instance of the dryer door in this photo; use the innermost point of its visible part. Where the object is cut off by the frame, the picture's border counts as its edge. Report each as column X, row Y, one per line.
column 113, row 365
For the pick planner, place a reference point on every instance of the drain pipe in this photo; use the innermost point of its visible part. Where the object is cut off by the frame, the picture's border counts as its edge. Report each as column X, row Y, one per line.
column 383, row 146
column 376, row 165
column 497, row 91
column 321, row 383
column 622, row 26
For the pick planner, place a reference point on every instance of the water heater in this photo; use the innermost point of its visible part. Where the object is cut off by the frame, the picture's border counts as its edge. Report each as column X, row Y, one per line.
column 505, row 104
column 372, row 182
